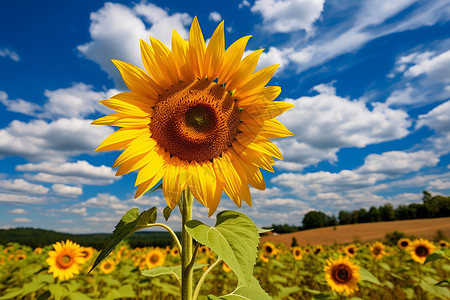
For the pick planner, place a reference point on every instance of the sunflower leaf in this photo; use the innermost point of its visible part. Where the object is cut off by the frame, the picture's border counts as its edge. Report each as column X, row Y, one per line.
column 367, row 276
column 253, row 291
column 131, row 222
column 175, row 271
column 234, row 239
column 166, row 212
column 436, row 255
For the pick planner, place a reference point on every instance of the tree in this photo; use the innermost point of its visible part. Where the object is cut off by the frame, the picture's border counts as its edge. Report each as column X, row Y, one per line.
column 374, row 214
column 387, row 212
column 345, row 217
column 315, row 219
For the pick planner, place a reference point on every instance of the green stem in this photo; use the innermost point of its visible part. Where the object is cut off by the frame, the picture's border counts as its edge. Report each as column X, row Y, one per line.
column 186, row 203
column 202, row 279
column 174, row 236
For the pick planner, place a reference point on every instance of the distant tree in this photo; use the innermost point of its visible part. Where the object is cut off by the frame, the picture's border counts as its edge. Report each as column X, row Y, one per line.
column 387, row 212
column 345, row 217
column 315, row 219
column 363, row 216
column 294, row 242
column 374, row 214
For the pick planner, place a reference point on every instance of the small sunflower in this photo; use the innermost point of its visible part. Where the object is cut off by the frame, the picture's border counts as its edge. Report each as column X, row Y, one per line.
column 87, row 253
column 443, row 244
column 65, row 260
column 403, row 243
column 226, row 268
column 199, row 118
column 297, row 253
column 420, row 249
column 107, row 266
column 37, row 250
column 204, row 250
column 263, row 257
column 342, row 275
column 269, row 249
column 377, row 250
column 154, row 258
column 350, row 250
column 318, row 249
column 174, row 252
column 307, row 250
column 20, row 256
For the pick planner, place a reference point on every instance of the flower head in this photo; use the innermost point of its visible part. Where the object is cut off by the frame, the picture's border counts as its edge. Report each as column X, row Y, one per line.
column 199, row 118
column 65, row 260
column 342, row 275
column 107, row 266
column 377, row 250
column 420, row 249
column 297, row 253
column 154, row 258
column 403, row 243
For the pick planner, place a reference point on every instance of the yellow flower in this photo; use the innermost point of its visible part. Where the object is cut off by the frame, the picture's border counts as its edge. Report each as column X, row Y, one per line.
column 174, row 252
column 226, row 268
column 263, row 257
column 20, row 257
column 204, row 250
column 199, row 118
column 420, row 249
column 297, row 252
column 403, row 243
column 269, row 249
column 350, row 250
column 107, row 266
column 342, row 275
column 154, row 258
column 318, row 249
column 37, row 250
column 65, row 260
column 87, row 253
column 377, row 250
column 443, row 244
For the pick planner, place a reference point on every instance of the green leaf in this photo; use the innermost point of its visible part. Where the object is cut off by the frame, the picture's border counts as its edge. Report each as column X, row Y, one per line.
column 58, row 291
column 79, row 296
column 286, row 291
column 175, row 271
column 251, row 292
column 234, row 239
column 438, row 291
column 262, row 230
column 131, row 222
column 166, row 212
column 436, row 255
column 11, row 294
column 125, row 291
column 33, row 286
column 44, row 296
column 367, row 276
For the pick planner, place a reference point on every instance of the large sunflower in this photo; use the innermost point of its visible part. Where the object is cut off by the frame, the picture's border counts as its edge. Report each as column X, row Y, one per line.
column 199, row 118
column 65, row 260
column 420, row 249
column 342, row 275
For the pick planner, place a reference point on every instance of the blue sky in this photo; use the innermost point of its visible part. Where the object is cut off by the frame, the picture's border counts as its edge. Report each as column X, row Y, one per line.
column 370, row 81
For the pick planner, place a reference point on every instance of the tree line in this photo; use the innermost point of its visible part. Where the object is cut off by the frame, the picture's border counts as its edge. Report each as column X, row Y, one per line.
column 432, row 207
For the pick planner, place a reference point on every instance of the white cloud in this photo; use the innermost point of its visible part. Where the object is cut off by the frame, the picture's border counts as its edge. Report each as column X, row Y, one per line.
column 22, row 186
column 18, row 211
column 398, row 162
column 326, row 123
column 215, row 16
column 438, row 118
column 39, row 140
column 77, row 211
column 116, row 31
column 106, row 200
column 9, row 54
column 66, row 190
column 22, row 220
column 18, row 105
column 288, row 15
column 22, row 199
column 436, row 67
column 244, row 3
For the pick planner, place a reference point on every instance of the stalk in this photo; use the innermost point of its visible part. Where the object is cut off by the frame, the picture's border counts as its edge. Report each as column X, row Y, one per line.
column 186, row 203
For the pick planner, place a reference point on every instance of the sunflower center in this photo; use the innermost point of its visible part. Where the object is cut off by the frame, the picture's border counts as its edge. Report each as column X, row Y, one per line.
column 65, row 261
column 404, row 244
column 422, row 251
column 195, row 121
column 351, row 251
column 376, row 251
column 154, row 259
column 342, row 274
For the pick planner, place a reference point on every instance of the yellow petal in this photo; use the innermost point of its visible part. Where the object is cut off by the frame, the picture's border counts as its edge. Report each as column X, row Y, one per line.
column 150, row 64
column 123, row 120
column 244, row 191
column 263, row 145
column 264, row 95
column 256, row 81
column 179, row 51
column 252, row 172
column 214, row 52
column 232, row 58
column 228, row 176
column 119, row 138
column 173, row 184
column 244, row 71
column 273, row 129
column 126, row 107
column 197, row 49
column 147, row 185
column 140, row 145
column 165, row 61
column 259, row 159
column 137, row 80
column 156, row 161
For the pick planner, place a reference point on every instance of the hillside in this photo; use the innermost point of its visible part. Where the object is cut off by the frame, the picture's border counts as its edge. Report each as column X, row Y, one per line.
column 367, row 232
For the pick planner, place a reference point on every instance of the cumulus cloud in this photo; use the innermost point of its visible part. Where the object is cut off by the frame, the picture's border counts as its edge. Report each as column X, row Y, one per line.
column 18, row 211
column 436, row 67
column 66, row 190
column 55, row 140
column 116, row 30
column 18, row 105
column 6, row 198
column 22, row 220
column 288, row 15
column 5, row 52
column 215, row 16
column 22, row 186
column 437, row 118
column 77, row 211
column 327, row 122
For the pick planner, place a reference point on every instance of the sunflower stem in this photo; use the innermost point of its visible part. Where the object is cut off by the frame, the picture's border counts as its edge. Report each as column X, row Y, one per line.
column 186, row 243
column 174, row 236
column 202, row 279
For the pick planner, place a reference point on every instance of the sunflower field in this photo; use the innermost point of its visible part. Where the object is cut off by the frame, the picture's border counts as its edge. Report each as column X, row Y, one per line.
column 412, row 269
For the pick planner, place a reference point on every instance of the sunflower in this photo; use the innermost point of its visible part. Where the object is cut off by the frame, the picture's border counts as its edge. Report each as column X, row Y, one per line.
column 20, row 256
column 443, row 244
column 37, row 250
column 342, row 275
column 154, row 258
column 403, row 243
column 204, row 250
column 199, row 118
column 107, row 266
column 87, row 253
column 174, row 252
column 377, row 250
column 263, row 257
column 420, row 249
column 65, row 260
column 297, row 252
column 350, row 250
column 269, row 249
column 307, row 250
column 226, row 268
column 318, row 249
